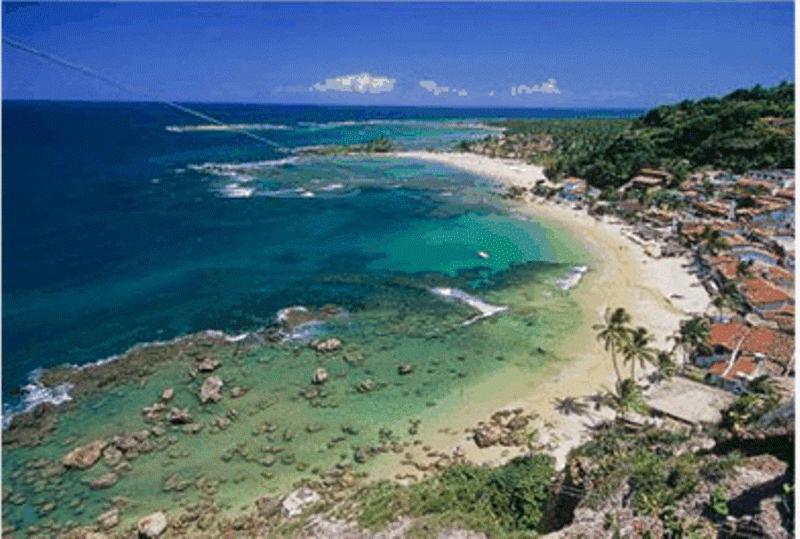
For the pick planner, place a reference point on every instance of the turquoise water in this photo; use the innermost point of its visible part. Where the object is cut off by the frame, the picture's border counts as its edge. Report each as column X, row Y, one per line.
column 123, row 223
column 156, row 233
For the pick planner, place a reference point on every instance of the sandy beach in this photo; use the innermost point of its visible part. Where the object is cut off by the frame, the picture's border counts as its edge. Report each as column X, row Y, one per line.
column 658, row 293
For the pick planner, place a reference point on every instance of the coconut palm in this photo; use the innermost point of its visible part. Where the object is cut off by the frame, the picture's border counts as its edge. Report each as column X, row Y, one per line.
column 666, row 367
column 712, row 241
column 728, row 296
column 628, row 396
column 613, row 333
column 636, row 349
column 743, row 268
column 570, row 405
column 692, row 336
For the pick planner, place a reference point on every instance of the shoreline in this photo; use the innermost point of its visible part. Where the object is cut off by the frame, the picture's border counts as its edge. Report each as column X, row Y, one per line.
column 658, row 293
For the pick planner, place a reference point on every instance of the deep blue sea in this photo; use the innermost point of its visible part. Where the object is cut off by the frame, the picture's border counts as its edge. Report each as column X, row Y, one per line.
column 130, row 222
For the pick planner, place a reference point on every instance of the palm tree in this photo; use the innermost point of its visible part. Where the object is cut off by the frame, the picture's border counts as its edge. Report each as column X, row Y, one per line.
column 570, row 405
column 613, row 333
column 628, row 396
column 711, row 240
column 728, row 296
column 636, row 348
column 743, row 268
column 692, row 335
column 666, row 367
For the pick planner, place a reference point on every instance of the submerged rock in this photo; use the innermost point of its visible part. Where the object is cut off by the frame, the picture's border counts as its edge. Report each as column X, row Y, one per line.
column 405, row 368
column 210, row 390
column 109, row 519
column 365, row 386
column 208, row 364
column 179, row 416
column 297, row 501
column 168, row 394
column 268, row 506
column 104, row 481
column 320, row 376
column 152, row 525
column 327, row 345
column 85, row 456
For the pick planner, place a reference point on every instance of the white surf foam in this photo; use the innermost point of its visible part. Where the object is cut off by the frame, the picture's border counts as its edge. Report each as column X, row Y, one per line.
column 33, row 395
column 225, row 127
column 234, row 190
column 572, row 278
column 484, row 309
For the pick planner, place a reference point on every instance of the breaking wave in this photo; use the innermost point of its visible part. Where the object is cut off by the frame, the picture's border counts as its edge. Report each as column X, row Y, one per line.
column 225, row 127
column 485, row 310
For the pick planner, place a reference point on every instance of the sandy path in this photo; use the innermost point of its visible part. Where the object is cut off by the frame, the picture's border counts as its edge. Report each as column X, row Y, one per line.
column 621, row 275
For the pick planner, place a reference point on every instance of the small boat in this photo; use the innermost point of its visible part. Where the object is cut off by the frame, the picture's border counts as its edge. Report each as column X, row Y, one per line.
column 483, row 254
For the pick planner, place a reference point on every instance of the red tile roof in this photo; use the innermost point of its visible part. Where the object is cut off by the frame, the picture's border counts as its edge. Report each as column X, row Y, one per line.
column 744, row 365
column 758, row 291
column 727, row 334
column 758, row 340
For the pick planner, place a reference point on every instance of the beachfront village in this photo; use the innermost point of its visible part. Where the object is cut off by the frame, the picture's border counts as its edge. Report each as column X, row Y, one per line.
column 738, row 230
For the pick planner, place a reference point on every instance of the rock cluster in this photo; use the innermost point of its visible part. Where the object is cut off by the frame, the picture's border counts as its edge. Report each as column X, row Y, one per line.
column 327, row 345
column 210, row 390
column 508, row 428
column 85, row 456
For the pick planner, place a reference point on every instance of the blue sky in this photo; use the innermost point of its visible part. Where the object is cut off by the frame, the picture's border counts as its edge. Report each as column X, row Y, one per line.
column 480, row 54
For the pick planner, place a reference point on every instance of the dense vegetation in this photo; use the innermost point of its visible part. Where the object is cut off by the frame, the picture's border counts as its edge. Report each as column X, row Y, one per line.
column 503, row 501
column 747, row 129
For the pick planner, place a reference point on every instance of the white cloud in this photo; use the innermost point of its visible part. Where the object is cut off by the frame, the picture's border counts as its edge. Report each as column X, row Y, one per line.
column 550, row 86
column 491, row 94
column 362, row 83
column 433, row 87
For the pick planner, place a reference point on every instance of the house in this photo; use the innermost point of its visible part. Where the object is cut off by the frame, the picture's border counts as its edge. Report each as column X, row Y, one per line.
column 647, row 178
column 723, row 339
column 762, row 296
column 749, row 252
column 687, row 401
column 736, row 375
column 573, row 189
column 780, row 277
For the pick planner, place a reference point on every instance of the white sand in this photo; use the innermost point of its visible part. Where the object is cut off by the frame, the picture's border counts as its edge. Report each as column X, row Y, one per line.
column 621, row 275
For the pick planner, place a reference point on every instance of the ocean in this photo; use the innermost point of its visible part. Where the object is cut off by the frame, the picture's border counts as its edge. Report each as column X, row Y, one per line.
column 127, row 222
column 130, row 223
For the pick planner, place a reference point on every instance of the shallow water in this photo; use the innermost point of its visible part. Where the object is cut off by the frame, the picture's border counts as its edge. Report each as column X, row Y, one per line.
column 186, row 231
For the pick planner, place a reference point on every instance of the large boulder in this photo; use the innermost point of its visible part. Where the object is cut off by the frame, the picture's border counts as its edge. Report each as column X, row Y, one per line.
column 209, row 391
column 85, row 456
column 152, row 525
column 208, row 364
column 297, row 501
column 179, row 416
column 109, row 519
column 485, row 436
column 320, row 376
column 328, row 345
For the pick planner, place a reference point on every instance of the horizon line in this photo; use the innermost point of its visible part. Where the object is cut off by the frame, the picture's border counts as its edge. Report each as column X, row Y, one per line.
column 343, row 105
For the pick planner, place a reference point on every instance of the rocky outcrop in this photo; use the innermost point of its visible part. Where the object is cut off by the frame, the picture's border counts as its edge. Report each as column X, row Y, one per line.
column 208, row 364
column 109, row 519
column 210, row 390
column 179, row 416
column 85, row 456
column 405, row 368
column 320, row 376
column 152, row 525
column 508, row 428
column 104, row 481
column 327, row 345
column 297, row 501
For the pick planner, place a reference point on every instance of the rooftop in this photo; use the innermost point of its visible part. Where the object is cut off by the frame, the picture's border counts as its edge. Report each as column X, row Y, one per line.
column 688, row 401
